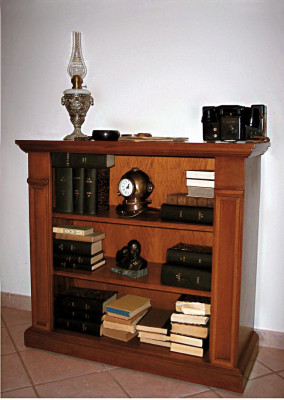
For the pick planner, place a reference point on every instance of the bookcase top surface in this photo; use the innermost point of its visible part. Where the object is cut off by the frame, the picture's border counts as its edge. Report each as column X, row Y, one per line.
column 162, row 149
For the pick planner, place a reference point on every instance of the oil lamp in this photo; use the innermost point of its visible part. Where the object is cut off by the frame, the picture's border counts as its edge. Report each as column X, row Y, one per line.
column 77, row 100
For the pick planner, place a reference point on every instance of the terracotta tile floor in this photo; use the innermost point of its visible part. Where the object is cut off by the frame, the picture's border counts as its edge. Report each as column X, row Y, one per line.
column 26, row 372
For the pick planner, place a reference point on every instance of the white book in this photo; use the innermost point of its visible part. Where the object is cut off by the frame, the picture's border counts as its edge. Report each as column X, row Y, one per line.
column 192, row 341
column 186, row 349
column 155, row 336
column 190, row 319
column 197, row 191
column 200, row 174
column 155, row 342
column 200, row 183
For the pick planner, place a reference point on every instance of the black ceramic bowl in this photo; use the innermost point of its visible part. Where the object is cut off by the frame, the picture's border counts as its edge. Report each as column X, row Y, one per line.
column 105, row 135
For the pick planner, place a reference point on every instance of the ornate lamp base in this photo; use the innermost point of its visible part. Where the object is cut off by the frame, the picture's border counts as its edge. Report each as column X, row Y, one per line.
column 77, row 103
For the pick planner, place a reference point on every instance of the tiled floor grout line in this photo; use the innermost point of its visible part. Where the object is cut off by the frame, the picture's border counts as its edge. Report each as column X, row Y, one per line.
column 119, row 384
column 20, row 357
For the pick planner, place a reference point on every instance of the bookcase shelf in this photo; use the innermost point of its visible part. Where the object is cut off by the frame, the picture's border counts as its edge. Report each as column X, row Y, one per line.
column 233, row 343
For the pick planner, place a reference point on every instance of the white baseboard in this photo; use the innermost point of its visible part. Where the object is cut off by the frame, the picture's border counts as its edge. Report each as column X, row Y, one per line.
column 19, row 301
column 266, row 338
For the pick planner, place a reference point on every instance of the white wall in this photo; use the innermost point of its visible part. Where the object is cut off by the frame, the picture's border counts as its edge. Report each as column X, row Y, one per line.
column 152, row 65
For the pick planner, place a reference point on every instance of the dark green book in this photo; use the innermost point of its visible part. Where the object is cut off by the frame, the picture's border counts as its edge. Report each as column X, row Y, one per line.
column 190, row 255
column 77, row 160
column 186, row 277
column 92, row 300
column 90, row 191
column 196, row 215
column 91, row 328
column 78, row 190
column 78, row 266
column 76, row 247
column 63, row 190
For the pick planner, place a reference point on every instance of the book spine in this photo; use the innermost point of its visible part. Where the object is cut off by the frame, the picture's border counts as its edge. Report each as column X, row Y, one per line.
column 91, row 328
column 188, row 258
column 200, row 215
column 192, row 174
column 200, row 183
column 71, row 302
column 63, row 190
column 117, row 311
column 186, row 277
column 77, row 160
column 184, row 199
column 72, row 258
column 90, row 191
column 69, row 246
column 77, row 314
column 78, row 190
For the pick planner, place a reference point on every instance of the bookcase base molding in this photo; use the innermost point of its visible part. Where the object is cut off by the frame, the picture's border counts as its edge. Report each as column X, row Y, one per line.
column 144, row 358
column 233, row 344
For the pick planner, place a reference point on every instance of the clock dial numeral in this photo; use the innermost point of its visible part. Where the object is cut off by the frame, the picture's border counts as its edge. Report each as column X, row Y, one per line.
column 126, row 187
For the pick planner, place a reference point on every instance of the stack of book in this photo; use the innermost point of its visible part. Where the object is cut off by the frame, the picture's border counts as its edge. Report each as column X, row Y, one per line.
column 81, row 310
column 188, row 266
column 200, row 183
column 77, row 247
column 154, row 327
column 190, row 325
column 195, row 206
column 122, row 316
column 81, row 182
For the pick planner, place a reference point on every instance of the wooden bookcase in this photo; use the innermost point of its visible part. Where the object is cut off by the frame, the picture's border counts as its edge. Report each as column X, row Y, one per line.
column 233, row 342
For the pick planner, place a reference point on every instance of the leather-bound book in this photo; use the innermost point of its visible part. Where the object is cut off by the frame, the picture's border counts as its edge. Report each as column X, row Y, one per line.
column 63, row 190
column 103, row 189
column 188, row 254
column 75, row 247
column 91, row 328
column 78, row 160
column 186, row 277
column 78, row 190
column 179, row 213
column 90, row 191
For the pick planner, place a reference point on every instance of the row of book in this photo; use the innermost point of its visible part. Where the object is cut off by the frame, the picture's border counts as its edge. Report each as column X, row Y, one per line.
column 81, row 182
column 101, row 313
column 195, row 205
column 77, row 247
column 188, row 266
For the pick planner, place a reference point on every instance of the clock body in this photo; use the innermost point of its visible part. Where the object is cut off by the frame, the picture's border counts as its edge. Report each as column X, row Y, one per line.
column 135, row 186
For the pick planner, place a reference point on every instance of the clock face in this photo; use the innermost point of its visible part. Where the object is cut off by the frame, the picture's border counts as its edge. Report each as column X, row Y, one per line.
column 126, row 187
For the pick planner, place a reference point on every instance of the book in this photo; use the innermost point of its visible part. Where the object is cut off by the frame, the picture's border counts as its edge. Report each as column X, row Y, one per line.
column 121, row 327
column 91, row 328
column 155, row 342
column 186, row 349
column 186, row 277
column 128, row 305
column 156, row 320
column 91, row 300
column 73, row 265
column 78, row 190
column 186, row 200
column 103, row 189
column 200, row 183
column 90, row 191
column 188, row 254
column 63, row 190
column 189, row 318
column 192, row 304
column 78, row 160
column 196, row 174
column 123, row 321
column 81, row 315
column 74, row 230
column 76, row 247
column 90, row 238
column 77, row 258
column 199, row 331
column 197, row 191
column 153, row 335
column 175, row 212
column 118, row 334
column 184, row 339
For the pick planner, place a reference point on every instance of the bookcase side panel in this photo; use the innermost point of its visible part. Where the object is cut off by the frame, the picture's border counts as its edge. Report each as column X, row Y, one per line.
column 250, row 247
column 40, row 209
column 227, row 261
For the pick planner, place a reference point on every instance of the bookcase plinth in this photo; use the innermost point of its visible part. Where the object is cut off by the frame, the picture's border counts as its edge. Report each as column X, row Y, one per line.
column 147, row 358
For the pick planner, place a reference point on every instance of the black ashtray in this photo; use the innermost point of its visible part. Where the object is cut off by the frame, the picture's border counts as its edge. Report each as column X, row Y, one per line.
column 105, row 135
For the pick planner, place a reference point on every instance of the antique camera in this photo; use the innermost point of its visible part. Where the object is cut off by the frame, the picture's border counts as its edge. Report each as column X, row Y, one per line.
column 234, row 123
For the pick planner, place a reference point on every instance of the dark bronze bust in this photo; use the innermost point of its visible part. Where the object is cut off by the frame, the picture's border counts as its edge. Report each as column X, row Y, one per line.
column 129, row 261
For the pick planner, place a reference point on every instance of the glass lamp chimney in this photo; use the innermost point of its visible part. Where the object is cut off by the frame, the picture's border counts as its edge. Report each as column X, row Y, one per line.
column 76, row 64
